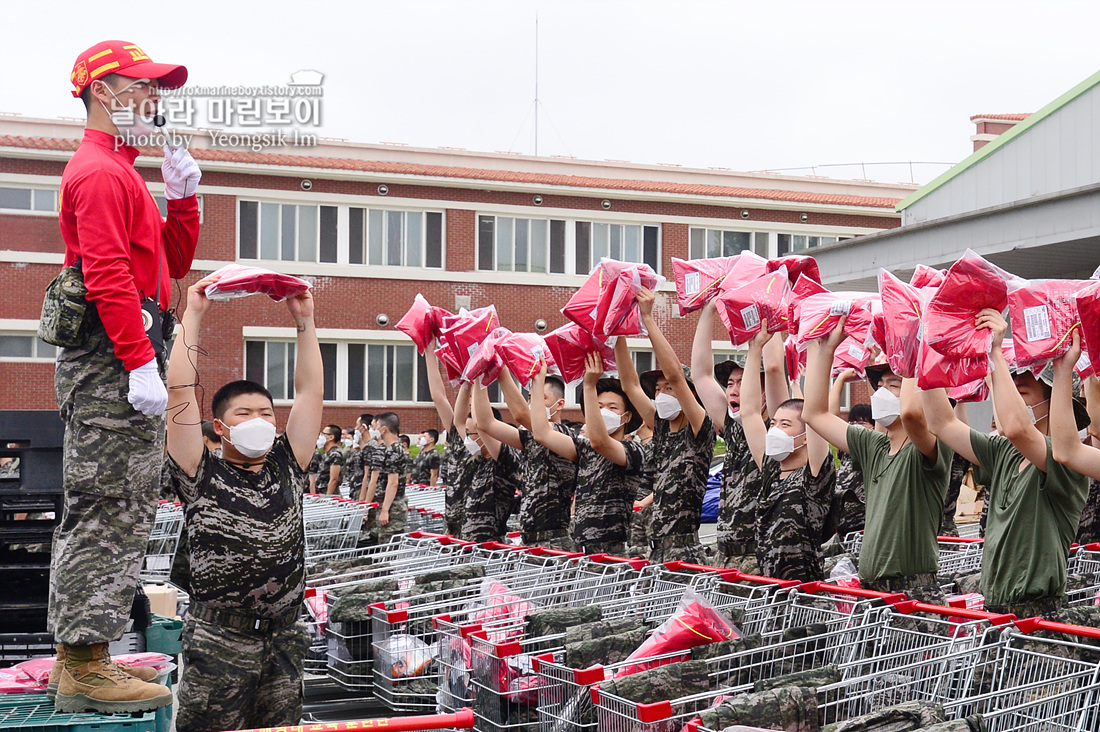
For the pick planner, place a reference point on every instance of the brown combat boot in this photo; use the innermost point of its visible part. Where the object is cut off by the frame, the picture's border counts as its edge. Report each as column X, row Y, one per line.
column 141, row 673
column 90, row 681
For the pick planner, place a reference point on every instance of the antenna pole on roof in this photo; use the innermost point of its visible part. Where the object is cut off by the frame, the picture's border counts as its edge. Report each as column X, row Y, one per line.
column 536, row 83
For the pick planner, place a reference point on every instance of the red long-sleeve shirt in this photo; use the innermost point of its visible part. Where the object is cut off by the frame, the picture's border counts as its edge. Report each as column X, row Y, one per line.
column 110, row 221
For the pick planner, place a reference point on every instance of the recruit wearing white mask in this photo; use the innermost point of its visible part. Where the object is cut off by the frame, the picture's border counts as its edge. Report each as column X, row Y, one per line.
column 778, row 445
column 611, row 420
column 472, row 446
column 668, row 407
column 252, row 438
column 885, row 406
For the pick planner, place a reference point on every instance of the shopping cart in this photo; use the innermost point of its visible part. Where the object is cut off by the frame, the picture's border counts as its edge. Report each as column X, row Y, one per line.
column 463, row 719
column 332, row 523
column 958, row 554
column 161, row 548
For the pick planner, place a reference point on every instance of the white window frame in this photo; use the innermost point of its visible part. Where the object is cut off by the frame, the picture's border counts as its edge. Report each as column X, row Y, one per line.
column 35, row 192
column 344, row 235
column 496, row 243
column 571, row 233
column 260, row 202
column 20, row 328
column 706, row 235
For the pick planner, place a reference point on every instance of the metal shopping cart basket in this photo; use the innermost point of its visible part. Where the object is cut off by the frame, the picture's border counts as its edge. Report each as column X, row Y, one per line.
column 161, row 548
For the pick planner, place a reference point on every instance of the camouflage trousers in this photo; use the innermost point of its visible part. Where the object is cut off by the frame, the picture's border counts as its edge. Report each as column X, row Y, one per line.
column 639, row 526
column 614, row 548
column 559, row 539
column 111, row 476
column 238, row 680
column 920, row 587
column 399, row 518
column 677, row 548
column 455, row 512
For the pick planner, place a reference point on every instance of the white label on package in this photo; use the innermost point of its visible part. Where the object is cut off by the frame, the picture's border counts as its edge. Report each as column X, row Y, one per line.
column 1037, row 323
column 856, row 352
column 750, row 316
column 692, row 283
column 1084, row 362
column 840, row 307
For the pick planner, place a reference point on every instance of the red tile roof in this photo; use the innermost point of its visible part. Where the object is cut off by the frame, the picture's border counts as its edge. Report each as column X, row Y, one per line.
column 478, row 174
column 1006, row 117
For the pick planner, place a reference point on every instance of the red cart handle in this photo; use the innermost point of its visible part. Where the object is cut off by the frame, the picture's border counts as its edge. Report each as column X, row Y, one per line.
column 890, row 598
column 1030, row 625
column 734, row 575
column 911, row 606
column 959, row 539
column 541, row 551
column 677, row 566
column 462, row 719
column 636, row 563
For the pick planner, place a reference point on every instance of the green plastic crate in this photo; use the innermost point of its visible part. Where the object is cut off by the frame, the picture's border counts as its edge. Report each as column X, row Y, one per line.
column 164, row 635
column 35, row 713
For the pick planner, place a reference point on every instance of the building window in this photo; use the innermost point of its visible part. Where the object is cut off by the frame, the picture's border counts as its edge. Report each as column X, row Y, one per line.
column 271, row 363
column 25, row 347
column 509, row 244
column 624, row 242
column 18, row 198
column 709, row 243
column 395, row 238
column 162, row 204
column 795, row 243
column 287, row 232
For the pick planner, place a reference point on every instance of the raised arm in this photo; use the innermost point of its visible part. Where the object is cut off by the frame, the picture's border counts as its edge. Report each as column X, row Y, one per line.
column 513, row 397
column 309, row 384
column 602, row 441
column 837, row 390
column 776, row 387
column 543, row 433
column 1066, row 446
column 628, row 379
column 670, row 364
column 943, row 423
column 752, row 398
column 489, row 425
column 711, row 393
column 184, row 431
column 438, row 389
column 819, row 362
column 1012, row 417
column 914, row 422
column 481, row 399
column 462, row 410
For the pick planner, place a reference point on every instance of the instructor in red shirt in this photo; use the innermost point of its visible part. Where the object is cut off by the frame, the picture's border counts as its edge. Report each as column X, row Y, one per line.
column 110, row 388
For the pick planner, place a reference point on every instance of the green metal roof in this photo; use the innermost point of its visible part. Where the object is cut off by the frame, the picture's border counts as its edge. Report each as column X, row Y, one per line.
column 1000, row 142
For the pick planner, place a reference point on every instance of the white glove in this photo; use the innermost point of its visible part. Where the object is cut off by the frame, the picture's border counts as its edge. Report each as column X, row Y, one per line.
column 147, row 392
column 181, row 173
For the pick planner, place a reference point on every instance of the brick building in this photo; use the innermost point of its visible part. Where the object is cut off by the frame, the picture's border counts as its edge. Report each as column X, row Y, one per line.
column 372, row 225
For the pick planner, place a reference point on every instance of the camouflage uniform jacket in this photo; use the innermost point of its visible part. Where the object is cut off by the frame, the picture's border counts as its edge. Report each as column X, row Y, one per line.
column 849, row 501
column 643, row 481
column 244, row 530
column 1088, row 530
column 491, row 494
column 455, row 469
column 791, row 520
column 549, row 482
column 335, row 456
column 736, row 499
column 682, row 463
column 392, row 459
column 605, row 494
column 352, row 473
column 423, row 464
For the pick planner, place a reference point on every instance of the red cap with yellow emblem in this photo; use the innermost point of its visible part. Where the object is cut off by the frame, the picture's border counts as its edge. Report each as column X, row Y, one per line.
column 125, row 59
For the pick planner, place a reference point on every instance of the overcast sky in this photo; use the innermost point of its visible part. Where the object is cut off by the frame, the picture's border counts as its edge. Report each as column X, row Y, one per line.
column 741, row 85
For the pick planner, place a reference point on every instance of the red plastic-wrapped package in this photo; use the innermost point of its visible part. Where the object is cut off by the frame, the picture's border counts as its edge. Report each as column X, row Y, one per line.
column 1043, row 314
column 925, row 276
column 796, row 264
column 764, row 300
column 236, row 280
column 570, row 344
column 851, row 354
column 523, row 354
column 901, row 323
column 582, row 306
column 466, row 331
column 1084, row 366
column 936, row 370
column 803, row 288
column 485, row 363
column 699, row 280
column 1088, row 308
column 876, row 336
column 422, row 322
column 617, row 312
column 695, row 623
column 971, row 285
column 748, row 267
column 975, row 391
column 795, row 356
column 820, row 314
column 446, row 355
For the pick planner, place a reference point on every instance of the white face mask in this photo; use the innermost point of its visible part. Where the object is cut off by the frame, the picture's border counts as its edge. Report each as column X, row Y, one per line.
column 1083, row 435
column 885, row 406
column 355, row 439
column 611, row 420
column 321, row 442
column 778, row 445
column 734, row 415
column 129, row 122
column 422, row 442
column 472, row 446
column 668, row 406
column 347, row 442
column 1031, row 411
column 375, row 434
column 252, row 438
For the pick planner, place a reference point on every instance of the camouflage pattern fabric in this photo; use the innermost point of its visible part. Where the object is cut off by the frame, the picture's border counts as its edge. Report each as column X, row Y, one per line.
column 640, row 521
column 965, row 582
column 352, row 474
column 849, row 508
column 791, row 520
column 736, row 528
column 461, row 572
column 921, row 587
column 455, row 469
column 334, row 456
column 746, row 563
column 392, row 460
column 559, row 620
column 639, row 525
column 605, row 497
column 10, row 469
column 682, row 463
column 973, row 723
column 789, row 708
column 601, row 628
column 237, row 680
column 900, row 718
column 423, row 464
column 1088, row 531
column 112, row 468
column 491, row 495
column 813, row 678
column 552, row 540
column 399, row 518
column 245, row 537
column 726, row 648
column 677, row 549
column 549, row 482
column 670, row 681
column 606, row 650
column 959, row 468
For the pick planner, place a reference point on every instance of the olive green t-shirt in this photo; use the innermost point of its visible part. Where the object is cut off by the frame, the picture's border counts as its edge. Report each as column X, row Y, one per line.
column 1033, row 519
column 905, row 494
